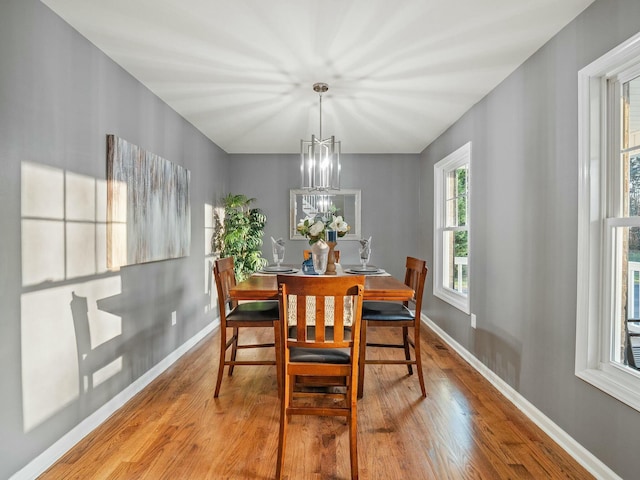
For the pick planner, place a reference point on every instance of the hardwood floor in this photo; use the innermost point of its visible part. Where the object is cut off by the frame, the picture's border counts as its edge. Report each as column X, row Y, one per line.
column 175, row 429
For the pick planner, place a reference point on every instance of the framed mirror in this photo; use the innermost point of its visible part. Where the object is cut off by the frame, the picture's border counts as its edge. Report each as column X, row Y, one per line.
column 304, row 203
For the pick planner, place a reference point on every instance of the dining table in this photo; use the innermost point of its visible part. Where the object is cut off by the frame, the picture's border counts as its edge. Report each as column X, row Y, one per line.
column 264, row 286
column 381, row 287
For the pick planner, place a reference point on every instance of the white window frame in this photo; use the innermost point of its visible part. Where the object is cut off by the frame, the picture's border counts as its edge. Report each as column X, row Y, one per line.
column 456, row 159
column 596, row 285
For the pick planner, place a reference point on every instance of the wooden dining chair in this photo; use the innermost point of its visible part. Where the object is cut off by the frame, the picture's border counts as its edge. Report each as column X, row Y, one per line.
column 398, row 315
column 324, row 345
column 255, row 314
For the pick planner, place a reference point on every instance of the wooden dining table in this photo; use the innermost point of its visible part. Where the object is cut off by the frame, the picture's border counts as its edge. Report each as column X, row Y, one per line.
column 376, row 287
column 261, row 286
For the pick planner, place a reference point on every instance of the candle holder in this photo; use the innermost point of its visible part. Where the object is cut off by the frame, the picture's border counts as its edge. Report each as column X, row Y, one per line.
column 331, row 260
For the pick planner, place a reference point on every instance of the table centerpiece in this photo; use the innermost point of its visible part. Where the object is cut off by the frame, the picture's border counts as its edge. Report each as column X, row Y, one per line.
column 327, row 227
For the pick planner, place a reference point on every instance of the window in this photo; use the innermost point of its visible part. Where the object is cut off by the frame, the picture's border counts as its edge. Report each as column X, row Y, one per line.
column 608, row 299
column 451, row 228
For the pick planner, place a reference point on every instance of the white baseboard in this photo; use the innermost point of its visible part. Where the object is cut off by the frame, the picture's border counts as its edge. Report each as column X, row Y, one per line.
column 47, row 458
column 573, row 448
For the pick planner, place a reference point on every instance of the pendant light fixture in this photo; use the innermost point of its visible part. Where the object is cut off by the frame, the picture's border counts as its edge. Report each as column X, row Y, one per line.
column 320, row 158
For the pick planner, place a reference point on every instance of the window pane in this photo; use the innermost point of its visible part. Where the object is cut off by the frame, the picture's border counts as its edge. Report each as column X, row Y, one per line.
column 456, row 197
column 461, row 176
column 633, row 183
column 631, row 113
column 455, row 255
column 452, row 209
column 462, row 193
column 462, row 211
column 629, row 299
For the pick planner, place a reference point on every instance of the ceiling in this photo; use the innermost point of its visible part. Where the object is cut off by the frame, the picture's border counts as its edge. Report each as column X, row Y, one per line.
column 399, row 73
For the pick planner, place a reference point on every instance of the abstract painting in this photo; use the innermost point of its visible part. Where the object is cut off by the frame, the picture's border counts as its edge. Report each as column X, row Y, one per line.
column 148, row 206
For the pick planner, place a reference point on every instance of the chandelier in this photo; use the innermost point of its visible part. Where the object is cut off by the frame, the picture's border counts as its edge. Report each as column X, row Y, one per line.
column 320, row 158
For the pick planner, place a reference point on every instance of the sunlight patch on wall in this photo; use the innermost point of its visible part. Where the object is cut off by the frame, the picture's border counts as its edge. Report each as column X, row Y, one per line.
column 102, row 374
column 43, row 249
column 209, row 229
column 42, row 191
column 209, row 251
column 50, row 336
column 81, row 249
column 63, row 225
column 211, row 294
column 68, row 346
column 49, row 361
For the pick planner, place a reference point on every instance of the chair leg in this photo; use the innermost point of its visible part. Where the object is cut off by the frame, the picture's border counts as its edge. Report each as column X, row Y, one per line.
column 279, row 363
column 284, row 420
column 292, row 384
column 353, row 441
column 407, row 352
column 223, row 352
column 416, row 348
column 234, row 348
column 363, row 357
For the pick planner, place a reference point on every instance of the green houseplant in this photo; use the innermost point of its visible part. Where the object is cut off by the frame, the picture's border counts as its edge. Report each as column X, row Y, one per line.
column 240, row 235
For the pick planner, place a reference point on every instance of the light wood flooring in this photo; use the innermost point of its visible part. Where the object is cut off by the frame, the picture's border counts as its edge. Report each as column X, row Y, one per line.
column 175, row 429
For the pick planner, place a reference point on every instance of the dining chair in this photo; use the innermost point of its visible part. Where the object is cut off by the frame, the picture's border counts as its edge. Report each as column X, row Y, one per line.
column 632, row 346
column 323, row 343
column 398, row 315
column 254, row 314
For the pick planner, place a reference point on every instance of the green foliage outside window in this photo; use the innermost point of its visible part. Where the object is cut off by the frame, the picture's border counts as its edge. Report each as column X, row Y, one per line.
column 241, row 235
column 461, row 243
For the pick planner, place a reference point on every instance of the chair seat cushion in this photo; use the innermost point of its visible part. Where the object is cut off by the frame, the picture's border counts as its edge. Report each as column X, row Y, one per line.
column 386, row 311
column 265, row 311
column 320, row 355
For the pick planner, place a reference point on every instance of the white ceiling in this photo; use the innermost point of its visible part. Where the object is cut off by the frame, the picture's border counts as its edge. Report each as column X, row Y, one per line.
column 399, row 72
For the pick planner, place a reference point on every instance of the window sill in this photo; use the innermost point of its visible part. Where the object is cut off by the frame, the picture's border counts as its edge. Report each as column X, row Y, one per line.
column 618, row 381
column 461, row 302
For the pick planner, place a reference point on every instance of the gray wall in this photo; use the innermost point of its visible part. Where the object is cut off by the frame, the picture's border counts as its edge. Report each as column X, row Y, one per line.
column 524, row 234
column 59, row 98
column 389, row 187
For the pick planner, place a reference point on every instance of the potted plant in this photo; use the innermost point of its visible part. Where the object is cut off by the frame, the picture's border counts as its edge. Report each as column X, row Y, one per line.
column 241, row 235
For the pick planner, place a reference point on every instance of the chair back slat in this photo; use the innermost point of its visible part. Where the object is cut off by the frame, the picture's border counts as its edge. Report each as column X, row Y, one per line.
column 320, row 320
column 415, row 275
column 328, row 325
column 338, row 317
column 301, row 312
column 225, row 279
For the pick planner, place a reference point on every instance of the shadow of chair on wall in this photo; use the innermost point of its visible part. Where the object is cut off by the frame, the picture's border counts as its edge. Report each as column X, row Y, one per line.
column 501, row 353
column 92, row 360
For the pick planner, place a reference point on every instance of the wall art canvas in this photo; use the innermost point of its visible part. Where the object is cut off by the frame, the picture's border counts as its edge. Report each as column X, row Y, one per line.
column 148, row 206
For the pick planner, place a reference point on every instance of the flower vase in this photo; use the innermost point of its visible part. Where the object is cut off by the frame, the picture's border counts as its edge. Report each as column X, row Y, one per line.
column 331, row 260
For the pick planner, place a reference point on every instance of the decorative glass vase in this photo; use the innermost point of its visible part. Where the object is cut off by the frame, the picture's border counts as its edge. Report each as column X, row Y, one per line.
column 320, row 254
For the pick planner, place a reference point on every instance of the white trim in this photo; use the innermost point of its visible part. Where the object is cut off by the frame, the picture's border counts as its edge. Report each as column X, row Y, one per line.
column 585, row 458
column 461, row 156
column 598, row 207
column 52, row 454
